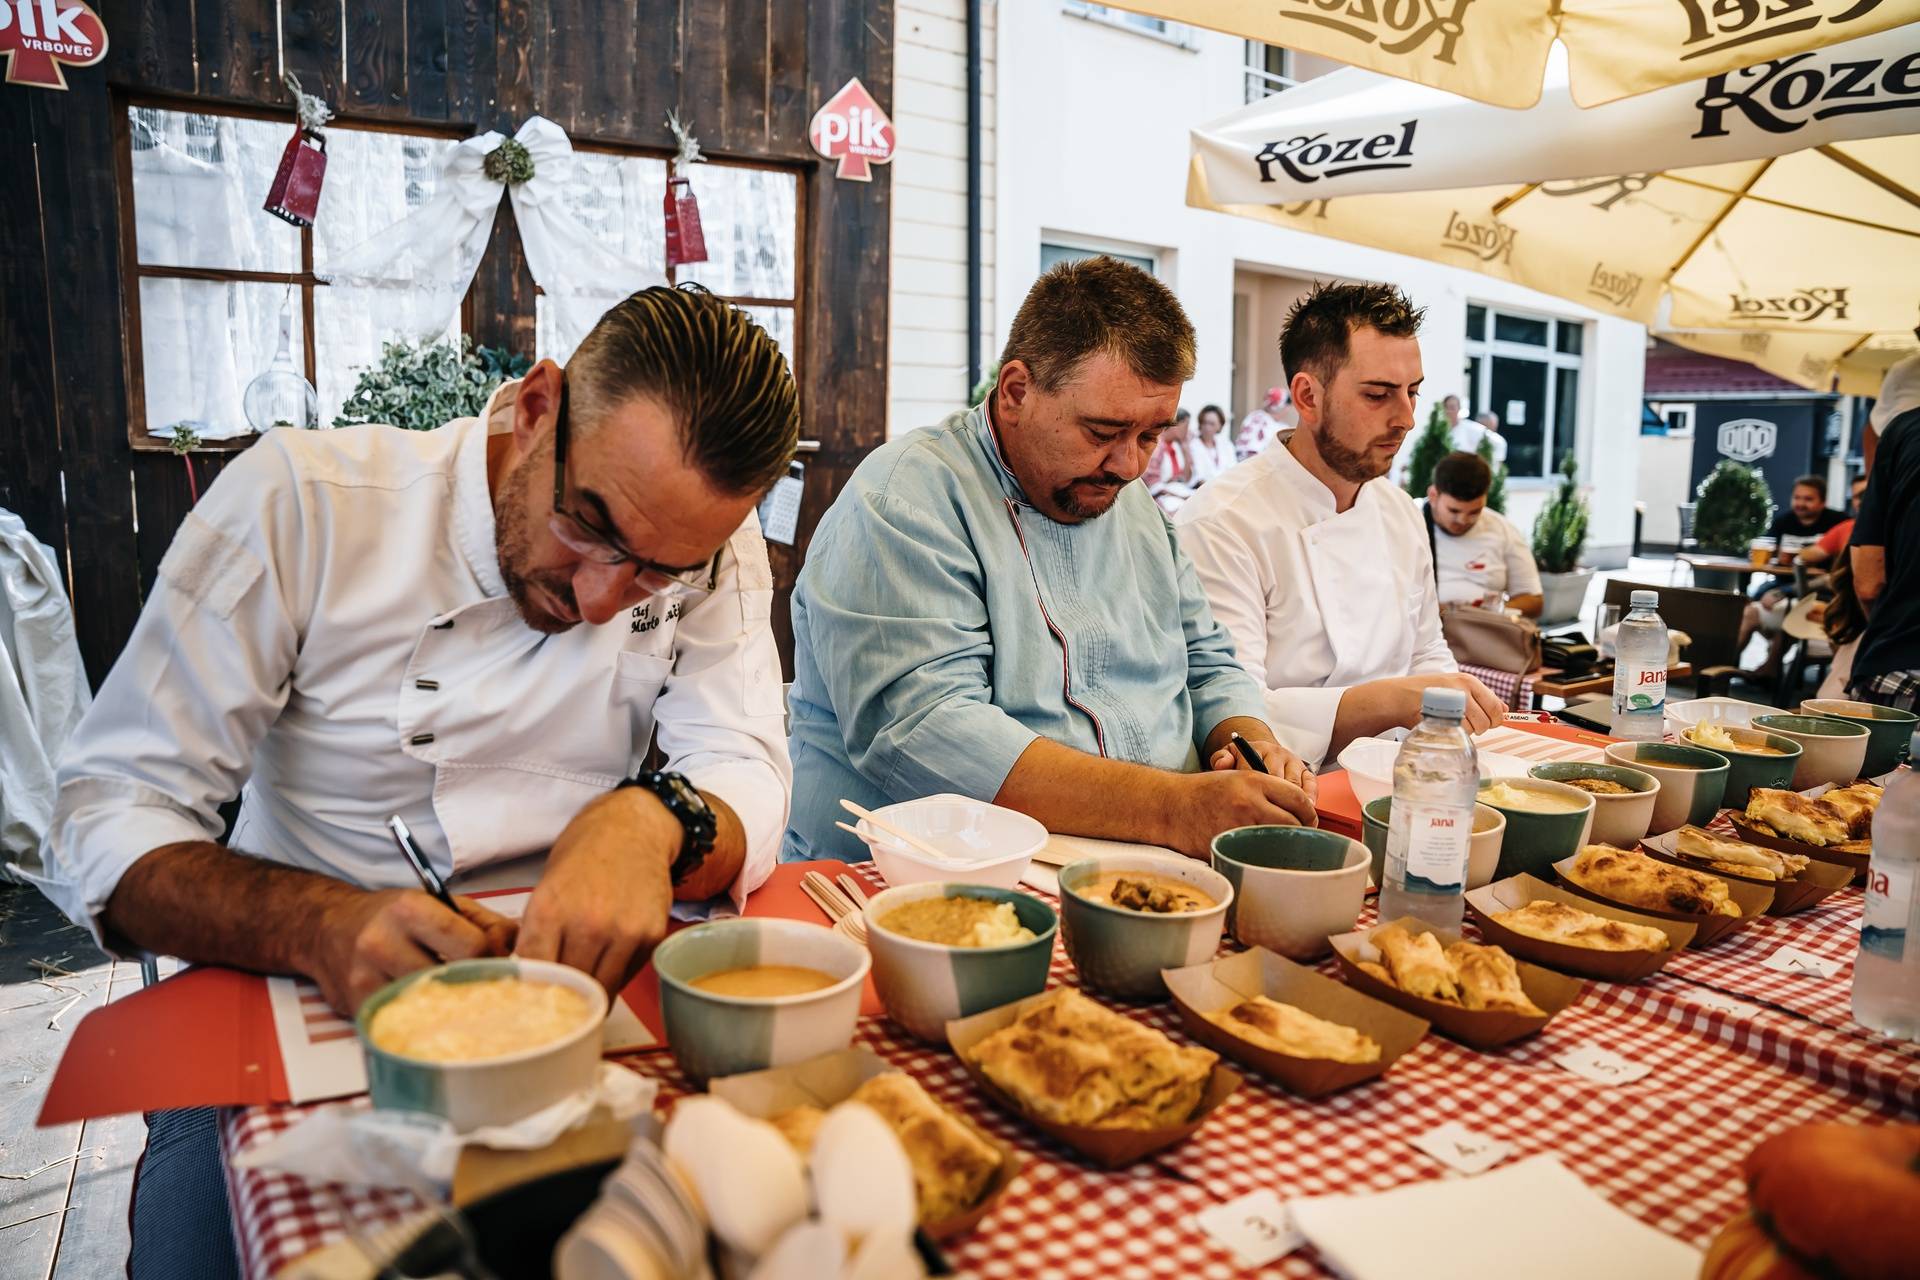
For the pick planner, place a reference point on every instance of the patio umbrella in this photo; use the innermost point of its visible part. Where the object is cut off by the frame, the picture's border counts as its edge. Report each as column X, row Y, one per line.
column 1853, row 365
column 1496, row 50
column 1741, row 216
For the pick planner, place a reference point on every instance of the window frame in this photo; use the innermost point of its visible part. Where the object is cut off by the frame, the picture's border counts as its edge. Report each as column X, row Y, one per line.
column 1485, row 349
column 1257, row 83
column 1178, row 34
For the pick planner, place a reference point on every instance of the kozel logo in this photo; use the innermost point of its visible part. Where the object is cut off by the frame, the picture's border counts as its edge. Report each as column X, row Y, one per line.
column 1731, row 24
column 1618, row 287
column 1487, row 241
column 1782, row 96
column 1614, row 189
column 37, row 36
column 1301, row 156
column 1400, row 26
column 1802, row 306
column 1748, row 439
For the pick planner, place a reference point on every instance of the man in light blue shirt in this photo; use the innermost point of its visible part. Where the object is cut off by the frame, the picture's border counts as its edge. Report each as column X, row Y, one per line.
column 992, row 607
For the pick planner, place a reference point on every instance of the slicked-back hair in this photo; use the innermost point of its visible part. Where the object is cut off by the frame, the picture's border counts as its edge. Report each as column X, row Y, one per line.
column 1463, row 476
column 1320, row 326
column 1101, row 304
column 718, row 373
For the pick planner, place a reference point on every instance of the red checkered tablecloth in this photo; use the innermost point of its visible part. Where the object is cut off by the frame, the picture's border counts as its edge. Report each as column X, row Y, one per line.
column 1515, row 689
column 1737, row 1052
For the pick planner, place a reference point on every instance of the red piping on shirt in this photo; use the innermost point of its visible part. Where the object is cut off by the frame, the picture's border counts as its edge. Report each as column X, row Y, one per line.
column 1066, row 667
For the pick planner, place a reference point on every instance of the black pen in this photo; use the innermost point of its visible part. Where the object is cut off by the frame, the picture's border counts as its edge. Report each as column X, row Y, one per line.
column 1248, row 754
column 418, row 861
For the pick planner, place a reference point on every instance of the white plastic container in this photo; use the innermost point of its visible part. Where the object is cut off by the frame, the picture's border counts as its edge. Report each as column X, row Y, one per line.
column 1369, row 766
column 988, row 844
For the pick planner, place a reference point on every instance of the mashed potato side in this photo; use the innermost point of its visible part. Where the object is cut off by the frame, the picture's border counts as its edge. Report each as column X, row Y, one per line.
column 958, row 922
column 436, row 1021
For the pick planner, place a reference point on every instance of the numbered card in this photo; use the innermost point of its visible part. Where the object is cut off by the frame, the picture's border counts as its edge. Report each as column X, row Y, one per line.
column 1721, row 1003
column 1256, row 1227
column 1794, row 960
column 1458, row 1147
column 1602, row 1066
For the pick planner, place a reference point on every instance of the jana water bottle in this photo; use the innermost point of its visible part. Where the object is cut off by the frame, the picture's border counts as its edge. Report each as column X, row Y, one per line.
column 1435, row 778
column 1886, row 973
column 1640, row 671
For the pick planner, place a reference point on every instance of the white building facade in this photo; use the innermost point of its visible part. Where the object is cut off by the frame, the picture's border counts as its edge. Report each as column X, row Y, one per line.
column 1087, row 151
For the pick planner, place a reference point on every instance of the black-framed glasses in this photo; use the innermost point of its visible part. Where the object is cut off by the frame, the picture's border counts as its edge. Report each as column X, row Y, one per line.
column 583, row 538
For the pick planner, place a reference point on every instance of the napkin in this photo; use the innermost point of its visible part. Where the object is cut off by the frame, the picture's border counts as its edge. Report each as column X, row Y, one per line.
column 359, row 1147
column 1531, row 1218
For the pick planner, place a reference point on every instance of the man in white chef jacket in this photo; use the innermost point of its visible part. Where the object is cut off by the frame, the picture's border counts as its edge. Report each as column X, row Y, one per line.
column 480, row 629
column 1317, row 566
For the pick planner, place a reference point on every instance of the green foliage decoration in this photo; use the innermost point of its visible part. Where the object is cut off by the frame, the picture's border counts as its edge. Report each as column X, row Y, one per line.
column 1434, row 442
column 1497, row 494
column 1560, row 530
column 420, row 386
column 1733, row 506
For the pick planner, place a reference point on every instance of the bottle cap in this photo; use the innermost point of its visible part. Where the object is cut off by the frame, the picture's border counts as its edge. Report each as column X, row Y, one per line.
column 1645, row 599
column 1448, row 704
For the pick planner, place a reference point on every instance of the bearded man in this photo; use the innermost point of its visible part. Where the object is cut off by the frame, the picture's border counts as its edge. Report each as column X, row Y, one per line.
column 1317, row 566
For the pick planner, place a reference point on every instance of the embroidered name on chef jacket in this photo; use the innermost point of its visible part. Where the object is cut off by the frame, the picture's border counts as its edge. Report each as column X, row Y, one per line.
column 644, row 619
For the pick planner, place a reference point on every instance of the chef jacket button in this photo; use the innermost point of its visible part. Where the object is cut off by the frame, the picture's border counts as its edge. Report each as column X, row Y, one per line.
column 431, row 686
column 444, row 626
column 420, row 739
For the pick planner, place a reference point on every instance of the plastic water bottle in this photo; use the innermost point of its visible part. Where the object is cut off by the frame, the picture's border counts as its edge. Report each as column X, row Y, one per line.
column 1886, row 973
column 1435, row 779
column 1640, row 672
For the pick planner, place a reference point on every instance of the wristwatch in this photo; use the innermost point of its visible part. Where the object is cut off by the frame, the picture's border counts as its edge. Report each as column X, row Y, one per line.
column 686, row 803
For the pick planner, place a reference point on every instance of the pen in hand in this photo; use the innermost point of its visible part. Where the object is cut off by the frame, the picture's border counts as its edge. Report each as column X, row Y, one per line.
column 1247, row 754
column 429, row 880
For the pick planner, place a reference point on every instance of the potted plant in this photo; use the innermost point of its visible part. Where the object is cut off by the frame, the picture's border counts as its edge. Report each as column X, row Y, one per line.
column 1497, row 494
column 1434, row 442
column 423, row 385
column 1559, row 536
column 1732, row 507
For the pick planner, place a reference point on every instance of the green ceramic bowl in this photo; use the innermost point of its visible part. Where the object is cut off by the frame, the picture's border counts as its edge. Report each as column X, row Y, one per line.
column 715, row 1035
column 1692, row 780
column 1888, row 729
column 1536, row 840
column 1483, row 854
column 1122, row 952
column 487, row 1091
column 1294, row 887
column 925, row 985
column 1617, row 820
column 1749, row 769
column 1830, row 750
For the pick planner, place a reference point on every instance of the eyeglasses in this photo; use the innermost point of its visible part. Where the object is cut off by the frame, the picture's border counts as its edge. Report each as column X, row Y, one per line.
column 575, row 533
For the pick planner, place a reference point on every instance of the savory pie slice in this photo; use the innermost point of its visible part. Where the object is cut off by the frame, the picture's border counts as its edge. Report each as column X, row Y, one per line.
column 1489, row 979
column 1855, row 805
column 1418, row 965
column 1795, row 817
column 1294, row 1032
column 952, row 1164
column 1557, row 922
column 1640, row 881
column 1070, row 1060
column 1372, row 969
column 1737, row 857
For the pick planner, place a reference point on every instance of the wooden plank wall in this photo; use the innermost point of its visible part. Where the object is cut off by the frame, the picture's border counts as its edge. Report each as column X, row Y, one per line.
column 747, row 74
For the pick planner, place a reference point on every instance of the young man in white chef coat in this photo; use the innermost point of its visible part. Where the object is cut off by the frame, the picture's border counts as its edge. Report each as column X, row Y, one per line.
column 479, row 629
column 1317, row 566
column 1479, row 557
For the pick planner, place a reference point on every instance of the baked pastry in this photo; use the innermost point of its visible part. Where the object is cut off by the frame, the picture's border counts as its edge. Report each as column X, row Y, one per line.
column 1070, row 1060
column 1640, row 881
column 1557, row 922
column 952, row 1164
column 1794, row 817
column 1374, row 969
column 1855, row 805
column 1418, row 965
column 1843, row 1198
column 1736, row 857
column 1294, row 1032
column 799, row 1126
column 1489, row 979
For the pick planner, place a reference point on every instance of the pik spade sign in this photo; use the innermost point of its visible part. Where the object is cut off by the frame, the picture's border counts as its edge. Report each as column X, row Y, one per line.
column 852, row 129
column 40, row 38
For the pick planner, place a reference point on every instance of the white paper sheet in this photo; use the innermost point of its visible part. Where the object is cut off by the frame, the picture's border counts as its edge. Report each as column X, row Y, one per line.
column 1535, row 748
column 1061, row 850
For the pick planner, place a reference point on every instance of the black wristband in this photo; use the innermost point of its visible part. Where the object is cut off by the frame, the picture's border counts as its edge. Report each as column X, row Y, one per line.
column 697, row 823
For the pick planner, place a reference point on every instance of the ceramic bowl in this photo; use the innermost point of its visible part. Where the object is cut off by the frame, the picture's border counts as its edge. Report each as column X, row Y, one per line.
column 1535, row 841
column 1749, row 769
column 1888, row 729
column 1293, row 887
column 489, row 1091
column 990, row 845
column 1617, row 820
column 1692, row 780
column 1731, row 711
column 1122, row 952
column 1483, row 854
column 1830, row 750
column 927, row 984
column 715, row 1035
column 1369, row 766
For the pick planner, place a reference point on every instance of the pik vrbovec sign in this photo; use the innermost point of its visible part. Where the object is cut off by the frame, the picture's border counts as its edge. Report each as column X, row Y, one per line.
column 41, row 38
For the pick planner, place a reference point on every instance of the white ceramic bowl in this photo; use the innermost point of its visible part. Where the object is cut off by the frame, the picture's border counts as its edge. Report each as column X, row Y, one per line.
column 990, row 845
column 926, row 985
column 1293, row 887
column 1730, row 711
column 1369, row 766
column 1122, row 952
column 1831, row 750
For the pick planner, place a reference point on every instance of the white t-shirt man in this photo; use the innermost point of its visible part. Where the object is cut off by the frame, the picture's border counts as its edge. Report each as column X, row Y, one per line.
column 1483, row 566
column 1468, row 433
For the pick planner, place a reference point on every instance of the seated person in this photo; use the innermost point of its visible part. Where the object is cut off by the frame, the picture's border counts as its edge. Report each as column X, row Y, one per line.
column 480, row 629
column 1169, row 474
column 1482, row 428
column 1317, row 565
column 993, row 607
column 1825, row 551
column 1212, row 450
column 1793, row 530
column 1479, row 558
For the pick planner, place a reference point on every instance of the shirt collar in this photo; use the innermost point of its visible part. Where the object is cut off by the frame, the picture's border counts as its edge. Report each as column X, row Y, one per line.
column 987, row 431
column 1311, row 489
column 472, row 499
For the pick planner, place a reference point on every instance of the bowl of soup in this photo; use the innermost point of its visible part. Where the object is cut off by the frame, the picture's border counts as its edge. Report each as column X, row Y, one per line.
column 1127, row 916
column 1755, row 757
column 1693, row 781
column 1623, row 798
column 748, row 994
column 1294, row 887
column 1546, row 821
column 947, row 951
column 482, row 1042
column 1888, row 729
column 1483, row 851
column 1831, row 750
